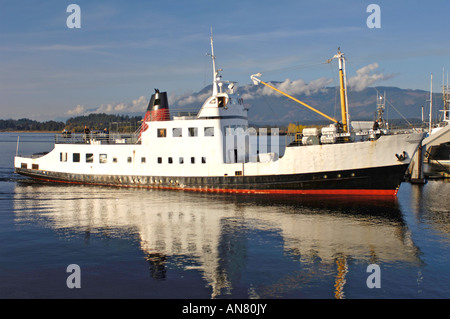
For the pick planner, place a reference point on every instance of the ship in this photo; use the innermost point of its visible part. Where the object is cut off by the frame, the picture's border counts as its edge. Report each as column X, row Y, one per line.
column 438, row 156
column 211, row 151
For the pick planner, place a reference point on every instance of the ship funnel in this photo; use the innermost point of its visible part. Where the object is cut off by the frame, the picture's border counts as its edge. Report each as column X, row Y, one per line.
column 158, row 108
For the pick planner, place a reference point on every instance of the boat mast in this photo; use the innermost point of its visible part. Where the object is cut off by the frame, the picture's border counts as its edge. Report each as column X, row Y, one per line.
column 381, row 105
column 431, row 102
column 216, row 76
column 343, row 90
column 445, row 97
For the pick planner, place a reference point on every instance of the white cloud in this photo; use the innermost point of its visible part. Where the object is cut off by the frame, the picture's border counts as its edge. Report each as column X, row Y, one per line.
column 364, row 78
column 290, row 87
column 298, row 87
column 135, row 106
column 78, row 110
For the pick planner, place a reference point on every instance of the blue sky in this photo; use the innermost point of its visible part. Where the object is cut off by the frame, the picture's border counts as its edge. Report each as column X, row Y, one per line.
column 125, row 49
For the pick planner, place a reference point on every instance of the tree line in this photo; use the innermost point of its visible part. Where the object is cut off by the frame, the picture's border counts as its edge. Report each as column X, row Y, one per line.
column 30, row 125
column 95, row 121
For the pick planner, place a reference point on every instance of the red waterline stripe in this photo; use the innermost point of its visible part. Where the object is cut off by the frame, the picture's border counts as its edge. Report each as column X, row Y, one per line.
column 362, row 192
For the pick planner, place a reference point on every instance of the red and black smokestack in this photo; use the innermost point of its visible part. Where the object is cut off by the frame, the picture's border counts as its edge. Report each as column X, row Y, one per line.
column 158, row 108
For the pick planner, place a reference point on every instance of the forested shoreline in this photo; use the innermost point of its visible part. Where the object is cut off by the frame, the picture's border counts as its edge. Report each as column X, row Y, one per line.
column 97, row 121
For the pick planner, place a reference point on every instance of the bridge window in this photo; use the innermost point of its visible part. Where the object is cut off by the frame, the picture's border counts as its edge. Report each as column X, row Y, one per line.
column 222, row 101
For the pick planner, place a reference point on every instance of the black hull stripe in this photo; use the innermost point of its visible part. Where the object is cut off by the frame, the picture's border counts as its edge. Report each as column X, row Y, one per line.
column 381, row 180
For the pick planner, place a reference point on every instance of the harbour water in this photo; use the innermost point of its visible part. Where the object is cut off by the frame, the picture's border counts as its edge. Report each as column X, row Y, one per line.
column 140, row 243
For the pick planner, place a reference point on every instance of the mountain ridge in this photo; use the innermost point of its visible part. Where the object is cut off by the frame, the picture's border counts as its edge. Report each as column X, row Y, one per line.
column 271, row 108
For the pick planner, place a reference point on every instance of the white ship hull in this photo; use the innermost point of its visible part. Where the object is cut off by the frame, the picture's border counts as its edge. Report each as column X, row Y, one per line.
column 365, row 168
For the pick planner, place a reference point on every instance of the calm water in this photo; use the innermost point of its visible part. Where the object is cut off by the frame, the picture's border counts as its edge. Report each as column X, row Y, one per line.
column 137, row 243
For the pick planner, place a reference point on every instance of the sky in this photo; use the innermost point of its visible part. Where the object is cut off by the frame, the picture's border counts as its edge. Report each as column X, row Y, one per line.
column 123, row 50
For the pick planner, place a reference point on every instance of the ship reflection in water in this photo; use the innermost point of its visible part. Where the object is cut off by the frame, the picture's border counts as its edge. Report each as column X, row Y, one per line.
column 241, row 246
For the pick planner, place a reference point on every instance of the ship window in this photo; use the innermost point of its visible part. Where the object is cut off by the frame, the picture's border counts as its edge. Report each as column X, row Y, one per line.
column 162, row 132
column 63, row 157
column 209, row 131
column 238, row 173
column 23, row 165
column 76, row 157
column 159, row 160
column 193, row 131
column 142, row 160
column 203, row 160
column 170, row 160
column 114, row 159
column 102, row 159
column 181, row 160
column 129, row 159
column 176, row 132
column 222, row 101
column 89, row 158
column 192, row 160
column 35, row 166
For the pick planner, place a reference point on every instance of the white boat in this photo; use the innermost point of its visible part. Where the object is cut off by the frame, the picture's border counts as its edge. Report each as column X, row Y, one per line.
column 210, row 151
column 438, row 156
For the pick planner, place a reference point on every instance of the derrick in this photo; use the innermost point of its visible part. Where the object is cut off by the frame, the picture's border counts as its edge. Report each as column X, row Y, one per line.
column 343, row 93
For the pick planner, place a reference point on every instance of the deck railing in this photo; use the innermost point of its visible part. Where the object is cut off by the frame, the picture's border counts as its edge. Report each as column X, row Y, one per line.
column 97, row 138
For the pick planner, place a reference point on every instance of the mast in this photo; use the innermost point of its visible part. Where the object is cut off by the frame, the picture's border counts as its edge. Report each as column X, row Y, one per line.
column 343, row 90
column 431, row 101
column 446, row 104
column 381, row 105
column 216, row 76
column 445, row 97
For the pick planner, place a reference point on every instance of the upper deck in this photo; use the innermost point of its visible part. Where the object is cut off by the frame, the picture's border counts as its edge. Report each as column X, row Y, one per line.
column 97, row 138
